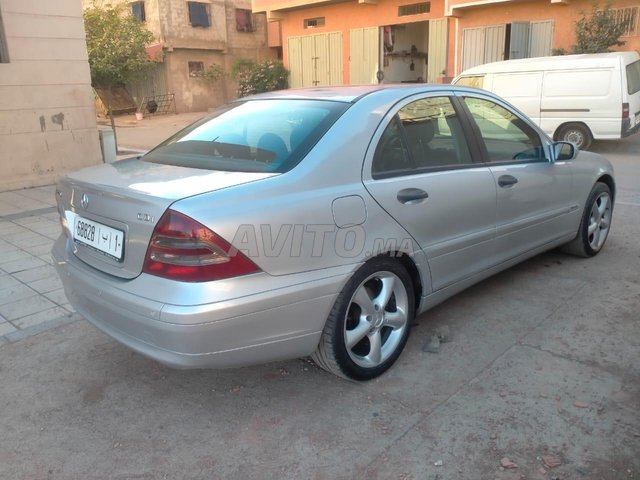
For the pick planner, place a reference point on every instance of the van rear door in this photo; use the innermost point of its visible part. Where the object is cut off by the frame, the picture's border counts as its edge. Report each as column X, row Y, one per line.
column 631, row 99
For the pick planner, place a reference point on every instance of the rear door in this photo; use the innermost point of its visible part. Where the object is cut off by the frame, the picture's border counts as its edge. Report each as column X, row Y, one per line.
column 631, row 94
column 423, row 174
column 534, row 194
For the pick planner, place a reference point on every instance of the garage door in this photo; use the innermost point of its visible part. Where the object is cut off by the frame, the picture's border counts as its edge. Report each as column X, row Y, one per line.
column 540, row 38
column 364, row 55
column 315, row 60
column 438, row 41
column 482, row 45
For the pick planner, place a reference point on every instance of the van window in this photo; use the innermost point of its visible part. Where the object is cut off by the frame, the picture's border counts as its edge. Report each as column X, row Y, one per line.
column 476, row 81
column 579, row 83
column 633, row 77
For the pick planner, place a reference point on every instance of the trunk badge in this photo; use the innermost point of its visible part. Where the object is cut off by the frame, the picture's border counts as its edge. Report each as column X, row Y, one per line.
column 84, row 201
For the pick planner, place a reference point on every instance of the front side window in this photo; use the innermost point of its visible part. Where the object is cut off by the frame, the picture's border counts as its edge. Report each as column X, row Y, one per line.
column 425, row 134
column 506, row 136
column 253, row 136
column 198, row 14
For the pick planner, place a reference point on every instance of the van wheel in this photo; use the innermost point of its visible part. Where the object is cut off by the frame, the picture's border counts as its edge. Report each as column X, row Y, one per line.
column 577, row 134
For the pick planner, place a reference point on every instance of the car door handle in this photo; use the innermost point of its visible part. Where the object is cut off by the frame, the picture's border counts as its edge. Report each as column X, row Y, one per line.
column 506, row 181
column 410, row 196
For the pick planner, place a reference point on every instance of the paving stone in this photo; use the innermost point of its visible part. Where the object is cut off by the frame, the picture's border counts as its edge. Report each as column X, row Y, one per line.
column 6, row 328
column 34, row 274
column 7, row 281
column 23, row 264
column 40, row 317
column 21, row 308
column 18, row 291
column 58, row 297
column 13, row 255
column 39, row 250
column 28, row 239
column 45, row 285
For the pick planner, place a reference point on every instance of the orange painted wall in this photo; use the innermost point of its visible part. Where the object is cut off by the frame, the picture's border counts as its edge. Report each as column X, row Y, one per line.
column 345, row 16
column 564, row 15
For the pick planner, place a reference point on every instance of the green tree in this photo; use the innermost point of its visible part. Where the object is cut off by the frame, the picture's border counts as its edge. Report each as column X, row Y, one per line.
column 116, row 43
column 599, row 30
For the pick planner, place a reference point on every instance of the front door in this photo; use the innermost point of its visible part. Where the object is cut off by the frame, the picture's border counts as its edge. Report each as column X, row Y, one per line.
column 422, row 173
column 534, row 194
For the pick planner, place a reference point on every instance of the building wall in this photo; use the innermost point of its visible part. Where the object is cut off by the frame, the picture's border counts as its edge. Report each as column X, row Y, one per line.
column 345, row 16
column 564, row 15
column 47, row 115
column 219, row 43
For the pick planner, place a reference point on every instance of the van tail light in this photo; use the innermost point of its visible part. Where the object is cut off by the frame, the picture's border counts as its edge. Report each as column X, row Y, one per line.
column 185, row 250
column 625, row 110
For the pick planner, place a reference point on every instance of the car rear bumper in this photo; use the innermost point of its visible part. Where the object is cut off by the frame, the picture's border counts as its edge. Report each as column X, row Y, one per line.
column 271, row 325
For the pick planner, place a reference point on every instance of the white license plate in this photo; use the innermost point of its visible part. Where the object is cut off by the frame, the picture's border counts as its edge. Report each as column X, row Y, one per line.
column 105, row 239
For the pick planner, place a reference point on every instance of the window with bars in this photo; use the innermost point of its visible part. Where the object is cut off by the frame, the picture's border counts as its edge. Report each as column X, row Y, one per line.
column 198, row 14
column 196, row 69
column 137, row 10
column 244, row 20
column 314, row 22
column 414, row 9
column 629, row 15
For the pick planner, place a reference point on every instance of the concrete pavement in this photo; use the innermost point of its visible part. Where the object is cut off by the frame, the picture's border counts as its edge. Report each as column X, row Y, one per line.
column 543, row 361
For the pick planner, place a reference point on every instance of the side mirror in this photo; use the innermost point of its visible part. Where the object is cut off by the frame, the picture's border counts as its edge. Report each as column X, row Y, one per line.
column 563, row 151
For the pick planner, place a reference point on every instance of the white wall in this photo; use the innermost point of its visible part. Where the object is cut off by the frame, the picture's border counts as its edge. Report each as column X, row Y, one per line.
column 47, row 114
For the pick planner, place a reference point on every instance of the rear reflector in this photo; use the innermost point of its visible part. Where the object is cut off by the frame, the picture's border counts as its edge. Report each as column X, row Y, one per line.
column 625, row 110
column 185, row 250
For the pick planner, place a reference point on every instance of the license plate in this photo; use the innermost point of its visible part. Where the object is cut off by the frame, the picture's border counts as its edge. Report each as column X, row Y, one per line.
column 104, row 239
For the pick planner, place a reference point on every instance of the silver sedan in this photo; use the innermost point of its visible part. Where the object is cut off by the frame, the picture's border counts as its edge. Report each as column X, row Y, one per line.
column 319, row 222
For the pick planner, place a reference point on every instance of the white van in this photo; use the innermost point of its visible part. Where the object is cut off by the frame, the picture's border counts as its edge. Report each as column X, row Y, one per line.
column 576, row 98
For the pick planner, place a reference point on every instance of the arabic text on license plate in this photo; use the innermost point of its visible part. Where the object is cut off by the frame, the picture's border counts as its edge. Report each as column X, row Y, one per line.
column 100, row 237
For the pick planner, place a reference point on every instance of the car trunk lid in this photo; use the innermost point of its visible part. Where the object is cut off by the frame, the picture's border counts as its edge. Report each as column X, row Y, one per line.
column 110, row 211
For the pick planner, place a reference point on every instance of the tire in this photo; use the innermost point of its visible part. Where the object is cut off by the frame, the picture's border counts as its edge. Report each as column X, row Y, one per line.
column 369, row 324
column 595, row 224
column 576, row 133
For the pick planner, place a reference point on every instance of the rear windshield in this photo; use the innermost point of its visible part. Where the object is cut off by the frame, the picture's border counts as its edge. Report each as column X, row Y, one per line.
column 252, row 136
column 633, row 77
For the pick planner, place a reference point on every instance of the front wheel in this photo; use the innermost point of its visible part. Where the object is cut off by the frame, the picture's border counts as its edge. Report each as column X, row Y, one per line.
column 595, row 224
column 369, row 324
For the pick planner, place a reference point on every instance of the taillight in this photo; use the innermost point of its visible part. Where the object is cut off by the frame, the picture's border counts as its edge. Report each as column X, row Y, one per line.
column 183, row 249
column 625, row 110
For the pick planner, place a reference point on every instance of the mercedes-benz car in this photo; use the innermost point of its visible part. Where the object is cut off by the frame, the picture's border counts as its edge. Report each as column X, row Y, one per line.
column 319, row 222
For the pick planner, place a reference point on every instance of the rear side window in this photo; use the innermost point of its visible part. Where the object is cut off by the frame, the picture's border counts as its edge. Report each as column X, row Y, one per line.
column 633, row 77
column 253, row 136
column 506, row 136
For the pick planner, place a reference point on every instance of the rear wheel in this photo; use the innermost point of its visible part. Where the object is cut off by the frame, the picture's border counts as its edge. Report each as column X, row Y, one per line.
column 576, row 133
column 595, row 224
column 369, row 324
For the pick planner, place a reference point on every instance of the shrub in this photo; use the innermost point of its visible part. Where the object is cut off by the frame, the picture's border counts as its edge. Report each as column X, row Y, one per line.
column 258, row 77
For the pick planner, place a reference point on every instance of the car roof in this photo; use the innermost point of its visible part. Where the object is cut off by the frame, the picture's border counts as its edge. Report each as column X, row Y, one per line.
column 349, row 93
